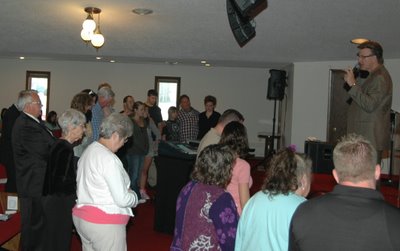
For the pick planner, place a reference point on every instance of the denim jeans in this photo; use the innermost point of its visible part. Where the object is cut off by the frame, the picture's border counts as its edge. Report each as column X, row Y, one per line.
column 135, row 166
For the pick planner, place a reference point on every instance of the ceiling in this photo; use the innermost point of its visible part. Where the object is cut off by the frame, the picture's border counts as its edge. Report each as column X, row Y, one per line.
column 187, row 31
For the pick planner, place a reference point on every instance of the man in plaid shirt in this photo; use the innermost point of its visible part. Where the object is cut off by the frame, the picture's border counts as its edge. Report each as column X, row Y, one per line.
column 188, row 118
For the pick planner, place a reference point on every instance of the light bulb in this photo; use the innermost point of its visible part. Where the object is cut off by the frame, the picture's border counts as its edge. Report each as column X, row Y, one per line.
column 89, row 24
column 97, row 39
column 86, row 35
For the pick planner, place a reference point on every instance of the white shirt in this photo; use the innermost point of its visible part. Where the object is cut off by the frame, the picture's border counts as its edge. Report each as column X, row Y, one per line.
column 102, row 182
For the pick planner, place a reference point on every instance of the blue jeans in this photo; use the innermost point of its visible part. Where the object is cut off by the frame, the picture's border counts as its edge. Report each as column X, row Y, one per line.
column 135, row 166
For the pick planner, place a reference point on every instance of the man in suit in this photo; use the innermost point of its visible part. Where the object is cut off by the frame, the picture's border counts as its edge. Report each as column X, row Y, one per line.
column 354, row 216
column 369, row 111
column 31, row 143
column 7, row 157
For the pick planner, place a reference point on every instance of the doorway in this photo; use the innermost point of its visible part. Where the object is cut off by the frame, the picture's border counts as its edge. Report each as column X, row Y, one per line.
column 337, row 108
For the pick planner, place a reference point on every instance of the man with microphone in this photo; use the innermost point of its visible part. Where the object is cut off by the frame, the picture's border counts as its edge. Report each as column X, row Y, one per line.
column 369, row 110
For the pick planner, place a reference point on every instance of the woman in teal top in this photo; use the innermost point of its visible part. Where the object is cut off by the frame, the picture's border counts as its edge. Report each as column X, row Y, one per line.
column 265, row 220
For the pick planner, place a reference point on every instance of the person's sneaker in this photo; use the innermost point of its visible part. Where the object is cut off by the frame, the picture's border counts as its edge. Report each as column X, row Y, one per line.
column 144, row 195
column 141, row 201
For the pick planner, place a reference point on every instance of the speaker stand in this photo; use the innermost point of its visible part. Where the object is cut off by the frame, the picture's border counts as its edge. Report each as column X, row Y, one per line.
column 272, row 142
column 269, row 150
column 389, row 180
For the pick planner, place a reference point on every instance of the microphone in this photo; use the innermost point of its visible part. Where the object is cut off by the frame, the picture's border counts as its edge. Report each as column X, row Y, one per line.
column 356, row 70
column 356, row 73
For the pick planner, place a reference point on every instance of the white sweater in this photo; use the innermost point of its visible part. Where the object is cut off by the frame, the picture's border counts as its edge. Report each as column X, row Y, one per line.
column 102, row 182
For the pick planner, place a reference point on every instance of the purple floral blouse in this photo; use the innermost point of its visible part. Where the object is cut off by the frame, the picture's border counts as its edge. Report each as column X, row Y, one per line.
column 206, row 219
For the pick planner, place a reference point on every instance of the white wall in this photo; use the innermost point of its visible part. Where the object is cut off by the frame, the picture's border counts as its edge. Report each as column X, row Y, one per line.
column 311, row 97
column 243, row 89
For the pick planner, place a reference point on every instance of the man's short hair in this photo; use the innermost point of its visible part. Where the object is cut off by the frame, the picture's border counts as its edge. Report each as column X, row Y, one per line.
column 152, row 92
column 375, row 47
column 106, row 93
column 24, row 98
column 105, row 84
column 229, row 116
column 182, row 97
column 354, row 158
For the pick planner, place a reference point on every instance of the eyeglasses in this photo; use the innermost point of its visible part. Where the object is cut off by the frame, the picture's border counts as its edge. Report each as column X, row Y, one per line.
column 364, row 57
column 125, row 140
column 37, row 103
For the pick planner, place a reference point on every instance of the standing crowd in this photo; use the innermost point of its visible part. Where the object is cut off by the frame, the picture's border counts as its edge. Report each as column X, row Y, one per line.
column 87, row 167
column 96, row 171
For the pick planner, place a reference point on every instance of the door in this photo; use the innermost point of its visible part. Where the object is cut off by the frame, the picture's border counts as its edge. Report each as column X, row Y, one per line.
column 338, row 106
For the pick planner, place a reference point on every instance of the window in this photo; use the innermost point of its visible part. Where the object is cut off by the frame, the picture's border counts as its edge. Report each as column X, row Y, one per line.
column 168, row 89
column 40, row 81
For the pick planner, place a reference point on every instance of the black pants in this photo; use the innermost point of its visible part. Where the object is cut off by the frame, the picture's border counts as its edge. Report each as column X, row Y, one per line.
column 32, row 223
column 58, row 222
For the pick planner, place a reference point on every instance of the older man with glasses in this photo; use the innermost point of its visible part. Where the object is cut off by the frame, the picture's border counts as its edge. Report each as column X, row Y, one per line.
column 369, row 111
column 31, row 144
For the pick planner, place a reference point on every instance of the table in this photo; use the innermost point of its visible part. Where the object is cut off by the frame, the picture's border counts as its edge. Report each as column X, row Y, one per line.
column 269, row 143
column 173, row 173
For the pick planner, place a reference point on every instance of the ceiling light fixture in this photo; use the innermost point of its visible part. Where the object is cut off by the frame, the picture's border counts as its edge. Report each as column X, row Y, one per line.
column 142, row 11
column 91, row 31
column 358, row 40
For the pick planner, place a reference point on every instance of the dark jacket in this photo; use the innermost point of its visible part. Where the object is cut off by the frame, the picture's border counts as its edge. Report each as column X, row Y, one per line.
column 7, row 157
column 61, row 170
column 31, row 143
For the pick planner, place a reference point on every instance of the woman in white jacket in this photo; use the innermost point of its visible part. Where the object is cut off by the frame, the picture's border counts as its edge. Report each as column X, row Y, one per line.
column 105, row 200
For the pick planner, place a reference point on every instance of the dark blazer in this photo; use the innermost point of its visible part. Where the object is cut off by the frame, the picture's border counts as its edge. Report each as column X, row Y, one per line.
column 7, row 157
column 369, row 113
column 59, row 196
column 348, row 218
column 31, row 143
column 60, row 176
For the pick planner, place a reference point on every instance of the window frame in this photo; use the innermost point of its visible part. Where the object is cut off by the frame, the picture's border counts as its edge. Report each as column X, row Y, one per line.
column 40, row 74
column 167, row 79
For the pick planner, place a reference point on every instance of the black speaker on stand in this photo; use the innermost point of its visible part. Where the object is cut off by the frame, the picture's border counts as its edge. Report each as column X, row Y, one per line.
column 276, row 91
column 276, row 85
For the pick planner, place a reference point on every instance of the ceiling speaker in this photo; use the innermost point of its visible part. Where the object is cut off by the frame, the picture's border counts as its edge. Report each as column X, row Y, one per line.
column 243, row 28
column 250, row 8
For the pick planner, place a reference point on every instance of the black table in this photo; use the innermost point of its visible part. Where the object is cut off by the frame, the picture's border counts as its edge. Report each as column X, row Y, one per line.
column 269, row 144
column 173, row 173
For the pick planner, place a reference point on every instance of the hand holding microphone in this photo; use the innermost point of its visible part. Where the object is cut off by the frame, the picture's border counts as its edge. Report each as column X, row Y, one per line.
column 351, row 75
